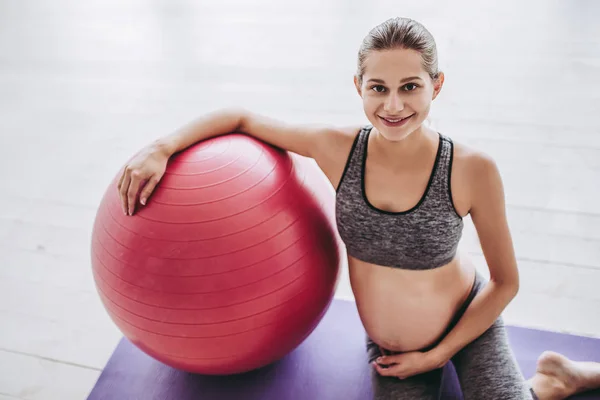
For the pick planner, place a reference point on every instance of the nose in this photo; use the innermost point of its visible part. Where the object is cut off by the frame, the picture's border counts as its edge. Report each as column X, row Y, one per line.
column 393, row 104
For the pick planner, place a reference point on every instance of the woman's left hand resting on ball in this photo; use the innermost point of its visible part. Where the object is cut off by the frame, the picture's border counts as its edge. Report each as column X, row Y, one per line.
column 408, row 364
column 145, row 169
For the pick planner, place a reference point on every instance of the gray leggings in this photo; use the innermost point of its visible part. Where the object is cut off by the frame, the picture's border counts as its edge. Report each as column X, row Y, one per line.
column 486, row 367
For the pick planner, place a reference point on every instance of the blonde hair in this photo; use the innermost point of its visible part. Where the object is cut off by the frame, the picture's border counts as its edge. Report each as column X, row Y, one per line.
column 400, row 33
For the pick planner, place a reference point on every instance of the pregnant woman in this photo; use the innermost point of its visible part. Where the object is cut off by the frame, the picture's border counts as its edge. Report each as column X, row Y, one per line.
column 403, row 190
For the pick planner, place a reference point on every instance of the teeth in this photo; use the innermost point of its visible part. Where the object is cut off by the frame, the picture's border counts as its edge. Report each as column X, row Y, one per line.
column 393, row 121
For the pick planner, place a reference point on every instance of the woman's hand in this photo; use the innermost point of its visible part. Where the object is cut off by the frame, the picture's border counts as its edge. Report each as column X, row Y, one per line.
column 406, row 365
column 145, row 169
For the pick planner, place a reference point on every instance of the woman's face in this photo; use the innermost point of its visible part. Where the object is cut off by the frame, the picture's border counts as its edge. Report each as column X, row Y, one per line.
column 397, row 92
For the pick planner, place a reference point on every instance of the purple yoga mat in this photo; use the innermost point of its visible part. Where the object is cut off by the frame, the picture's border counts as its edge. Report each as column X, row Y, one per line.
column 330, row 364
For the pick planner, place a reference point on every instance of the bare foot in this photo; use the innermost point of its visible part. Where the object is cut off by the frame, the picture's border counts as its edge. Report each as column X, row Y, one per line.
column 557, row 377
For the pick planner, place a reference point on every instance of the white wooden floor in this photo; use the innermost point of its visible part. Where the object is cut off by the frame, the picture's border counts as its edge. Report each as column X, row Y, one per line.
column 84, row 84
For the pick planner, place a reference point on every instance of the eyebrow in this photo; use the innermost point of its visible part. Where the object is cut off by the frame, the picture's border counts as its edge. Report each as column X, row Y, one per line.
column 412, row 78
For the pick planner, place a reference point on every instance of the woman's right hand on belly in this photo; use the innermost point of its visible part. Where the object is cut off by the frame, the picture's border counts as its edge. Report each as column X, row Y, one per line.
column 406, row 365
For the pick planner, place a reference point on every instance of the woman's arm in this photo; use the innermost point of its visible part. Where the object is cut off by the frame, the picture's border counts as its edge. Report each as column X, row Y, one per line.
column 149, row 165
column 300, row 139
column 489, row 217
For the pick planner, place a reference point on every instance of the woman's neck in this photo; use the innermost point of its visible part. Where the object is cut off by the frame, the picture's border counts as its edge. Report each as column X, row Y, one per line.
column 396, row 155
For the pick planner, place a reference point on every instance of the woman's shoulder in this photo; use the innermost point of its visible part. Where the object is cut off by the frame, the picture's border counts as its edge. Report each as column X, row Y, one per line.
column 470, row 157
column 340, row 139
column 334, row 149
column 474, row 171
column 348, row 132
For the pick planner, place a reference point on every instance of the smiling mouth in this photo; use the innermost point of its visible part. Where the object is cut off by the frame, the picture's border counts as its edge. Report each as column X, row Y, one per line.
column 395, row 120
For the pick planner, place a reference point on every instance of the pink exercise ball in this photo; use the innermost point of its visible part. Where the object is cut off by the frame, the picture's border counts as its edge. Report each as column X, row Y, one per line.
column 230, row 265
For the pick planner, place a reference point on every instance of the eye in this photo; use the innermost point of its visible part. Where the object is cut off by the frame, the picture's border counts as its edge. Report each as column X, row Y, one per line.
column 409, row 87
column 378, row 88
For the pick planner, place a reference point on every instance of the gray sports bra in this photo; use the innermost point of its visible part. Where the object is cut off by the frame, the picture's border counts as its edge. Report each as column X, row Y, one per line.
column 424, row 237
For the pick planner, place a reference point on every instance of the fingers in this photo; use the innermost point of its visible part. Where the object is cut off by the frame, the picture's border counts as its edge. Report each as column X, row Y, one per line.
column 134, row 187
column 394, row 370
column 121, row 179
column 388, row 360
column 132, row 180
column 388, row 365
column 148, row 189
column 123, row 188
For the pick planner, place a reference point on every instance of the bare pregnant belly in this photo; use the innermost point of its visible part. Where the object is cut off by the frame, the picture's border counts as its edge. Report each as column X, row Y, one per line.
column 404, row 310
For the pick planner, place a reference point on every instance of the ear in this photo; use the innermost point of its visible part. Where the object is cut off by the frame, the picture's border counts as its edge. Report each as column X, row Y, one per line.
column 437, row 85
column 357, row 85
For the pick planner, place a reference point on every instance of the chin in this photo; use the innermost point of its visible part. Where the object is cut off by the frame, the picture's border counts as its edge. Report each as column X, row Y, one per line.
column 394, row 134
